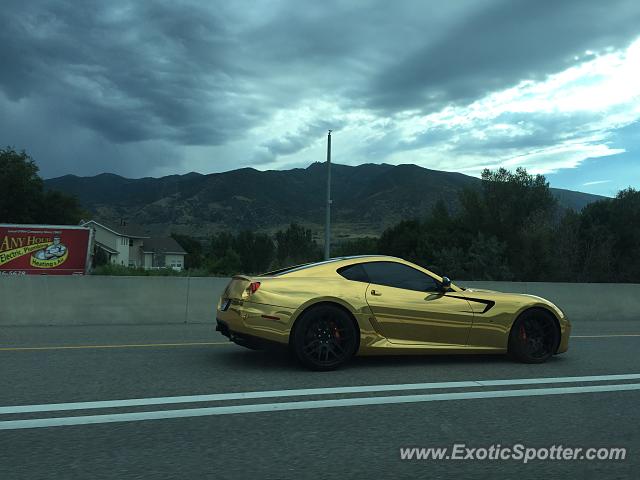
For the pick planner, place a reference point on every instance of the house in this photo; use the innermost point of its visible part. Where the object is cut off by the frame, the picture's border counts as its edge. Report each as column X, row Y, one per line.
column 163, row 252
column 128, row 244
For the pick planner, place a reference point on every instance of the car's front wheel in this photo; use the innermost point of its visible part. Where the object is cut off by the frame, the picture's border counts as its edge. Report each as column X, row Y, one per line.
column 534, row 337
column 324, row 337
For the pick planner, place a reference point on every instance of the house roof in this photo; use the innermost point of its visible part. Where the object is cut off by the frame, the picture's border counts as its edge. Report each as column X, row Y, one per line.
column 162, row 245
column 127, row 230
column 106, row 248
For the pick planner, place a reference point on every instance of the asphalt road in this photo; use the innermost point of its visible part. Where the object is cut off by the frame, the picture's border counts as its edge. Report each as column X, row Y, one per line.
column 305, row 439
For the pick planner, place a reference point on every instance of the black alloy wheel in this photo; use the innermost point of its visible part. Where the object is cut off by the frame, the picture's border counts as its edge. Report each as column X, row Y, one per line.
column 534, row 336
column 324, row 337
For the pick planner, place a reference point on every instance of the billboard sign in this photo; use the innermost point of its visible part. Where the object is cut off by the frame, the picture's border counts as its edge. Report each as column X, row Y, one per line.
column 44, row 249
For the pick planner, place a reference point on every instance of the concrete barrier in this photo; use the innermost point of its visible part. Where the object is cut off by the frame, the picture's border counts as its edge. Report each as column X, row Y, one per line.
column 579, row 301
column 105, row 300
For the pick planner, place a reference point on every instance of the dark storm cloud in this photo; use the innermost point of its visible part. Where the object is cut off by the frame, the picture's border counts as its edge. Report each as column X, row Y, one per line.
column 537, row 130
column 510, row 41
column 525, row 131
column 292, row 143
column 124, row 86
column 151, row 71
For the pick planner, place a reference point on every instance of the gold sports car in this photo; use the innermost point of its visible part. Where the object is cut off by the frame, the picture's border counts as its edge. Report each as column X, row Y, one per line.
column 328, row 311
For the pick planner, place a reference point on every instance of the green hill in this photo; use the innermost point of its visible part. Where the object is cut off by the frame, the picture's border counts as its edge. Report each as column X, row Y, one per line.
column 366, row 198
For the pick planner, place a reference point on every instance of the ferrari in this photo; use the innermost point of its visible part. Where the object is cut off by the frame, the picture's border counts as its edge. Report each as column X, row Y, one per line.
column 327, row 312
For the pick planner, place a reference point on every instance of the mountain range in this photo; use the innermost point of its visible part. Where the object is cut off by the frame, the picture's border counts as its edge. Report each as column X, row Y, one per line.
column 366, row 198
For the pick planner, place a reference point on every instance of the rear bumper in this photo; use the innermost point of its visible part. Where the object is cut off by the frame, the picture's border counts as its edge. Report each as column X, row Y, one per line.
column 248, row 320
column 243, row 339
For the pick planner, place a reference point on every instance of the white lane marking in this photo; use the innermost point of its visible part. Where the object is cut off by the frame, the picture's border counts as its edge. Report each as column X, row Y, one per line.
column 306, row 405
column 611, row 335
column 138, row 402
column 543, row 380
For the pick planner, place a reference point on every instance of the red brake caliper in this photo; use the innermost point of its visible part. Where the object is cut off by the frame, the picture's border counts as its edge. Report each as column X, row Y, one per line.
column 523, row 333
column 336, row 333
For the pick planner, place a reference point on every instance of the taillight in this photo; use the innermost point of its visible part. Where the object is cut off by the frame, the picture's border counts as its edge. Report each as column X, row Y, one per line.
column 251, row 289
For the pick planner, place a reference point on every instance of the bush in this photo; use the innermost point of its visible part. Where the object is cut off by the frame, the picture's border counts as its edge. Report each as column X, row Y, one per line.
column 121, row 270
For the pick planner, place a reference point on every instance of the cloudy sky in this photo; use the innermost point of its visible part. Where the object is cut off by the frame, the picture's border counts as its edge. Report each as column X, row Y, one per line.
column 144, row 88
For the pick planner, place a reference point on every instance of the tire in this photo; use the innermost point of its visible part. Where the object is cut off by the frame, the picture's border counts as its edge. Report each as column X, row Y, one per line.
column 324, row 338
column 534, row 336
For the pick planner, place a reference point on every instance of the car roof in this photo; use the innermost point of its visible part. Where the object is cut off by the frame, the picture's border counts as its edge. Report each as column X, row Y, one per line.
column 329, row 268
column 332, row 265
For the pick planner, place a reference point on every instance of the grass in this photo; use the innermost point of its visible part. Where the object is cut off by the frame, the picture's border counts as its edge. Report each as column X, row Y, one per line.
column 121, row 270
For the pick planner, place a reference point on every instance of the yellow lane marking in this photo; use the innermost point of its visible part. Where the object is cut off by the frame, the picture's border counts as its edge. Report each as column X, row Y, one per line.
column 607, row 336
column 142, row 345
column 192, row 344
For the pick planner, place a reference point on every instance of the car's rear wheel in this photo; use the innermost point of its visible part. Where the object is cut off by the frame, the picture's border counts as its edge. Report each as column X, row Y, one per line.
column 534, row 337
column 324, row 337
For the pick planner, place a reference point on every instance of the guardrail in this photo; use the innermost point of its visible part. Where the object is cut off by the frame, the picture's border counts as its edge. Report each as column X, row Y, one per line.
column 106, row 300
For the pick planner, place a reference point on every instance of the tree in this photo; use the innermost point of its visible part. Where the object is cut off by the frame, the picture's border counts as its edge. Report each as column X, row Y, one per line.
column 100, row 257
column 220, row 243
column 193, row 247
column 451, row 262
column 246, row 252
column 228, row 263
column 609, row 233
column 486, row 259
column 403, row 240
column 20, row 188
column 23, row 198
column 60, row 209
column 221, row 257
column 624, row 224
column 439, row 223
column 566, row 257
column 511, row 199
column 256, row 251
column 357, row 246
column 296, row 245
column 517, row 209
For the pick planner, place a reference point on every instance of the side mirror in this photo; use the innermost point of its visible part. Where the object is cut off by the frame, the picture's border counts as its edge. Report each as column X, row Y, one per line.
column 445, row 285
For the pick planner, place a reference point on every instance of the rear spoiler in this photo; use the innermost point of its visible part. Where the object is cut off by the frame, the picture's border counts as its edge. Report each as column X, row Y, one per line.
column 241, row 286
column 241, row 277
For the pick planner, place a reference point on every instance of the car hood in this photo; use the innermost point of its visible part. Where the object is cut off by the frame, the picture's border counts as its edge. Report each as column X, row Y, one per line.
column 521, row 299
column 482, row 290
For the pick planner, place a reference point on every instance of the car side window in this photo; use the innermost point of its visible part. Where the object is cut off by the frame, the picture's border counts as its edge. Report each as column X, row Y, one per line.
column 399, row 275
column 354, row 272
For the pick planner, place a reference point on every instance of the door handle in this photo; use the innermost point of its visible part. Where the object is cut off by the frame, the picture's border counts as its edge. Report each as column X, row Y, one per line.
column 377, row 293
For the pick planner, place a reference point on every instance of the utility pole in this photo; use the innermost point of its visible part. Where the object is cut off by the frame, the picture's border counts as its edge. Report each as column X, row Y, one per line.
column 327, row 223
